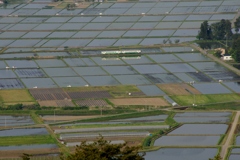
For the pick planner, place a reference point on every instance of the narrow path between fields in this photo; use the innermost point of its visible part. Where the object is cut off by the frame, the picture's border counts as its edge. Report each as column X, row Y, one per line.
column 225, row 147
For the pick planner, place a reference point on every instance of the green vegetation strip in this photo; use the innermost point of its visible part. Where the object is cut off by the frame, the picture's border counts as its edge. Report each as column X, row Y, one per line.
column 82, row 112
column 205, row 99
column 116, row 125
column 24, row 140
column 120, row 116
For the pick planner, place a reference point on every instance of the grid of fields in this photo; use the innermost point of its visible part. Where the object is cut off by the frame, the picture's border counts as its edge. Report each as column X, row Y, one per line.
column 108, row 24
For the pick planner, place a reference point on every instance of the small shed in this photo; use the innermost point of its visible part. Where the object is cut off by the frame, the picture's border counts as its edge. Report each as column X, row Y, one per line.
column 227, row 57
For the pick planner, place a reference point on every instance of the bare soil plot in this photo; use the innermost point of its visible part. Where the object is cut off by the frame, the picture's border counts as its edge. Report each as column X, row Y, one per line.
column 92, row 102
column 89, row 94
column 49, row 94
column 178, row 89
column 140, row 101
column 57, row 103
column 15, row 96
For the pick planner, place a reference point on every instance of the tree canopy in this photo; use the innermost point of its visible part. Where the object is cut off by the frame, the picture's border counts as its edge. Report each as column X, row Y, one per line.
column 104, row 150
column 217, row 31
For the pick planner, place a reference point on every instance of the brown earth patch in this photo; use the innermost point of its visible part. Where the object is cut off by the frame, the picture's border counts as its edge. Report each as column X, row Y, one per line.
column 59, row 103
column 140, row 101
column 178, row 89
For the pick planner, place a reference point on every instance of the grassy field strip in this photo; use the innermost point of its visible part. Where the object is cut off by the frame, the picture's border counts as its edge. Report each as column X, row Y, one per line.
column 117, row 116
column 23, row 140
column 206, row 99
column 111, row 129
column 115, row 125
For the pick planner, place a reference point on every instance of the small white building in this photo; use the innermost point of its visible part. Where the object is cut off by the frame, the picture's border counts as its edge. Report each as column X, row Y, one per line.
column 227, row 57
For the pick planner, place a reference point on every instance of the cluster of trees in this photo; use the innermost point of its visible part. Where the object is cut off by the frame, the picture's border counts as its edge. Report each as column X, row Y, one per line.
column 217, row 31
column 222, row 31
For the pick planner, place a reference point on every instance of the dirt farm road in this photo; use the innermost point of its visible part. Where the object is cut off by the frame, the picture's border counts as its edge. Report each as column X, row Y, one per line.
column 226, row 145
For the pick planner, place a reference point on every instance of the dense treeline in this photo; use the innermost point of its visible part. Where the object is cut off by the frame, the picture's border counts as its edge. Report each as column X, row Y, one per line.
column 222, row 31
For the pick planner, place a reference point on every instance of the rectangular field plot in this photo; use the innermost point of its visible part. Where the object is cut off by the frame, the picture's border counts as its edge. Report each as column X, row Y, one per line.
column 28, row 147
column 234, row 157
column 76, row 42
column 70, row 12
column 152, row 41
column 199, row 17
column 151, row 90
column 86, row 34
column 69, row 81
column 199, row 76
column 74, row 62
column 57, row 103
column 228, row 9
column 10, row 83
column 147, row 118
column 157, row 33
column 182, row 10
column 122, row 26
column 200, row 129
column 121, row 70
column 147, row 69
column 150, row 19
column 163, row 78
column 3, row 65
column 140, row 101
column 57, row 34
column 167, row 25
column 89, row 94
column 192, row 25
column 92, row 102
column 60, row 72
column 184, row 77
column 235, row 86
column 186, row 32
column 58, row 19
column 36, row 34
column 161, row 10
column 176, row 49
column 51, row 63
column 222, row 16
column 204, row 114
column 211, row 88
column 205, row 9
column 164, row 58
column 188, row 57
column 12, row 34
column 181, row 67
column 175, row 18
column 24, row 43
column 15, row 121
column 7, row 74
column 208, row 66
column 182, row 154
column 132, row 79
column 178, row 89
column 127, row 42
column 39, row 83
column 107, row 61
column 226, row 75
column 49, row 94
column 105, row 134
column 30, row 73
column 113, row 34
column 137, row 60
column 187, row 141
column 23, row 132
column 141, row 33
column 201, row 119
column 127, row 19
column 71, row 26
column 102, row 42
column 54, row 54
column 101, row 80
column 89, row 71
